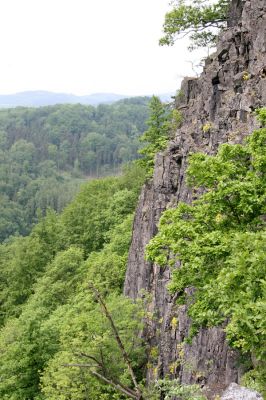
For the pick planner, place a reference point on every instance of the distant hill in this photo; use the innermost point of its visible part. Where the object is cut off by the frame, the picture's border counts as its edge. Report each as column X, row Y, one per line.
column 44, row 98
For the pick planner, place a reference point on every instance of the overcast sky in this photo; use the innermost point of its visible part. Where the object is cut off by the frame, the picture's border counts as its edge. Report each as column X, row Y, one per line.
column 88, row 46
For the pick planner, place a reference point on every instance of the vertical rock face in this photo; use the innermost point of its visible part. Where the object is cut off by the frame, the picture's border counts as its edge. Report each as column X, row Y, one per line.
column 231, row 86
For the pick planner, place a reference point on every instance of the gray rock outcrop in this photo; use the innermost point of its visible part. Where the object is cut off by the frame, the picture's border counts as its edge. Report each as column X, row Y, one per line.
column 236, row 392
column 223, row 98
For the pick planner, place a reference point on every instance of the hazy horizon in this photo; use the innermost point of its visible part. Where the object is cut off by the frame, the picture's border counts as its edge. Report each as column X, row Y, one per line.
column 83, row 95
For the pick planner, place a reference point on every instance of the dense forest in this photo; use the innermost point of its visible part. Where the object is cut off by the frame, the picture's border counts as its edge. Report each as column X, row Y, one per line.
column 47, row 152
column 50, row 316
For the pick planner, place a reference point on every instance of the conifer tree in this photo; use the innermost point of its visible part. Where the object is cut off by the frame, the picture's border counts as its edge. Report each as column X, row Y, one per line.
column 157, row 134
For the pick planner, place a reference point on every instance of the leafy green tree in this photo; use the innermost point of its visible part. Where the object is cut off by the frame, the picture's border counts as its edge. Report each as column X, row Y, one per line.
column 98, row 208
column 198, row 18
column 3, row 140
column 90, row 352
column 22, row 154
column 157, row 135
column 220, row 241
column 12, row 218
column 23, row 262
column 28, row 342
column 107, row 268
column 261, row 115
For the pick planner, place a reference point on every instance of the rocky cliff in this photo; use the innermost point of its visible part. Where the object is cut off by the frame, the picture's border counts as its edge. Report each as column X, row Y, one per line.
column 217, row 108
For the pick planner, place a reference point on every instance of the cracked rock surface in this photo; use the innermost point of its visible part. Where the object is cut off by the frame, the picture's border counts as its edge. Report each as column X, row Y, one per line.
column 231, row 86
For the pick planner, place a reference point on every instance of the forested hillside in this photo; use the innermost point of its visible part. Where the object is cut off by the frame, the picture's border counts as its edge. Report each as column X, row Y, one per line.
column 50, row 315
column 47, row 152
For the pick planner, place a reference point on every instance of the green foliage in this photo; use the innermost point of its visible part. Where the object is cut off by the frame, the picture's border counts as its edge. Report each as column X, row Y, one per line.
column 86, row 339
column 177, row 119
column 23, row 261
column 185, row 392
column 100, row 205
column 220, row 241
column 12, row 220
column 261, row 115
column 27, row 343
column 161, row 123
column 107, row 268
column 197, row 18
column 170, row 389
column 255, row 379
column 47, row 152
column 49, row 316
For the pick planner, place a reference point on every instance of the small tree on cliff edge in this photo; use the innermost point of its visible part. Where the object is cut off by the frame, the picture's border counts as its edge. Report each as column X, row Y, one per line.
column 157, row 135
column 197, row 18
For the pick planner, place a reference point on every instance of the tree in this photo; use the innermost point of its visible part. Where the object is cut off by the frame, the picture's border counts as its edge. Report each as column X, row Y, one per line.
column 90, row 363
column 157, row 135
column 198, row 18
column 28, row 342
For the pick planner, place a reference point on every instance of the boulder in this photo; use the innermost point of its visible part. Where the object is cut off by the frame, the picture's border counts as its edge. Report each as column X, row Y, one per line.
column 236, row 392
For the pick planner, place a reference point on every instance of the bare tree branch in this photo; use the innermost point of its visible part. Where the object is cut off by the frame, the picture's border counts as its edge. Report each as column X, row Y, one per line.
column 117, row 338
column 80, row 365
column 118, row 386
column 88, row 356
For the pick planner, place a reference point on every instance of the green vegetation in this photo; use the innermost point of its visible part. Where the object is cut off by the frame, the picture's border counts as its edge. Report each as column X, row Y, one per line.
column 46, row 153
column 172, row 388
column 197, row 18
column 51, row 320
column 169, row 389
column 261, row 115
column 220, row 240
column 162, row 122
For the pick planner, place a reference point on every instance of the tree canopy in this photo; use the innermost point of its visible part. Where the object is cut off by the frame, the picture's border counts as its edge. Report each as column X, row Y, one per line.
column 199, row 19
column 47, row 153
column 49, row 316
